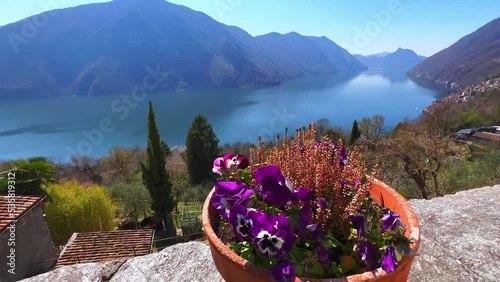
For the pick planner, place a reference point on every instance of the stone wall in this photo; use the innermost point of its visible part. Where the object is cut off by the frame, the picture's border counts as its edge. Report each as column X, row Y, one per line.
column 34, row 251
column 488, row 135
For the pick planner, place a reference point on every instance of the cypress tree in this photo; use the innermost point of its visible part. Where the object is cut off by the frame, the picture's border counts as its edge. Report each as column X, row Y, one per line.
column 202, row 148
column 155, row 176
column 355, row 132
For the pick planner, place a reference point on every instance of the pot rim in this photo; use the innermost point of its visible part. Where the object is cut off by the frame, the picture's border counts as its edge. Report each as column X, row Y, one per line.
column 413, row 232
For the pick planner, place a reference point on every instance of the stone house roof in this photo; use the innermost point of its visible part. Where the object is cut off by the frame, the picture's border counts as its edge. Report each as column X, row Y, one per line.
column 19, row 206
column 106, row 245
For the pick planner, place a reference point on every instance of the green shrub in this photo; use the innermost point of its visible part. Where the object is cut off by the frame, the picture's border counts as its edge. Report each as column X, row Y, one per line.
column 134, row 198
column 191, row 227
column 77, row 208
column 480, row 168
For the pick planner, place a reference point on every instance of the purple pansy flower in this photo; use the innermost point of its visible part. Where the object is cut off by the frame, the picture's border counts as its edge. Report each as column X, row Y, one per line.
column 239, row 161
column 343, row 156
column 389, row 260
column 225, row 163
column 368, row 253
column 305, row 216
column 229, row 188
column 272, row 235
column 242, row 220
column 302, row 195
column 228, row 160
column 315, row 230
column 358, row 222
column 221, row 205
column 222, row 164
column 276, row 189
column 391, row 221
column 322, row 204
column 277, row 221
column 219, row 165
column 228, row 193
column 307, row 230
column 311, row 232
column 357, row 183
column 242, row 162
column 283, row 271
column 322, row 254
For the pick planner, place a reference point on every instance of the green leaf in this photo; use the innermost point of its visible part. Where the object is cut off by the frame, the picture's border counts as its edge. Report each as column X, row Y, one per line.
column 299, row 269
column 334, row 270
column 248, row 254
column 315, row 269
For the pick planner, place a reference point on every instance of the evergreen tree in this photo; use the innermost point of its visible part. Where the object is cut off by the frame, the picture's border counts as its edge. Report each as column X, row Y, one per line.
column 202, row 148
column 155, row 176
column 355, row 132
column 166, row 148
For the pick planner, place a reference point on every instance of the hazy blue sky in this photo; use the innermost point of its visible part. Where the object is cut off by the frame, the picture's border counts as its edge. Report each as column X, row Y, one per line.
column 362, row 26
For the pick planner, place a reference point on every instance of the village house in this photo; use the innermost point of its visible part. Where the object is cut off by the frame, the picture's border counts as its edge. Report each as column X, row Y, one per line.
column 26, row 247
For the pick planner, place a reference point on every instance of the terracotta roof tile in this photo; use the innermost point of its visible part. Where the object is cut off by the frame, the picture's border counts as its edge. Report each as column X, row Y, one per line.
column 106, row 245
column 22, row 205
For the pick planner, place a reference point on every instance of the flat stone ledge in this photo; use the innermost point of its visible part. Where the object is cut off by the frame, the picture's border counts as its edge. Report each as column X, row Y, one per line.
column 459, row 235
column 190, row 261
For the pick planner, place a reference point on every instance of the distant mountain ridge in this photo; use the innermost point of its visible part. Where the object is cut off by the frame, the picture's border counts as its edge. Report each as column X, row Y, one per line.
column 381, row 54
column 473, row 58
column 109, row 48
column 401, row 59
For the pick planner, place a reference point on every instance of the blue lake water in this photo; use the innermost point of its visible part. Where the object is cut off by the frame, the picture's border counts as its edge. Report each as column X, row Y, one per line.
column 61, row 126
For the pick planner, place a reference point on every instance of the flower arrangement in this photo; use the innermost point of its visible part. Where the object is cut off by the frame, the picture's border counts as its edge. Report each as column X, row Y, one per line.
column 302, row 208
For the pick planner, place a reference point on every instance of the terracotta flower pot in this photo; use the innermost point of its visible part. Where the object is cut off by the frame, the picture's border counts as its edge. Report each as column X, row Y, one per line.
column 234, row 268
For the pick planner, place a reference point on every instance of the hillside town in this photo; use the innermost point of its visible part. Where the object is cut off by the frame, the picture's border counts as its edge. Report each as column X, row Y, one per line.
column 464, row 94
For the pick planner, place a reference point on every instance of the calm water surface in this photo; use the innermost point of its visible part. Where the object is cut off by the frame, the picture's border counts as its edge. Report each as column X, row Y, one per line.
column 59, row 127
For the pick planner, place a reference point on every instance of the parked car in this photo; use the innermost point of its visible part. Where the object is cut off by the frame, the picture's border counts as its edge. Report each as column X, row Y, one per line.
column 490, row 129
column 465, row 134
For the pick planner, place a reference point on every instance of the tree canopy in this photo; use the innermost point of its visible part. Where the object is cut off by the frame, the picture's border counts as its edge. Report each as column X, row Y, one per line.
column 134, row 196
column 31, row 176
column 202, row 149
column 155, row 176
column 355, row 133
